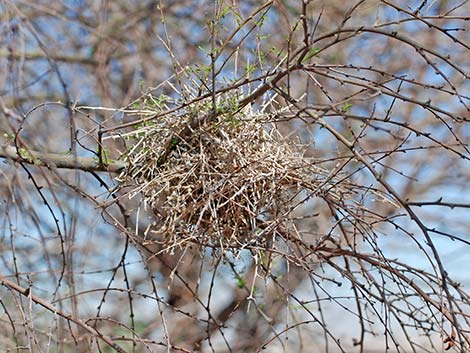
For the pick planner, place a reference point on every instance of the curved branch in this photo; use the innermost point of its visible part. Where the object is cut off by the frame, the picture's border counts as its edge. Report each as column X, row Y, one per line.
column 93, row 331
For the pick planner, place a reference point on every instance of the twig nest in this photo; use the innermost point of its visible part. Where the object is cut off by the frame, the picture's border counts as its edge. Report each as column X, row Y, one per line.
column 229, row 182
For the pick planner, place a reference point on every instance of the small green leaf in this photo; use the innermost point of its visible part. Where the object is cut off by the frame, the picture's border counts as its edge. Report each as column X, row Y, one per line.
column 311, row 53
column 250, row 69
column 23, row 152
column 173, row 142
column 241, row 283
column 135, row 105
column 346, row 107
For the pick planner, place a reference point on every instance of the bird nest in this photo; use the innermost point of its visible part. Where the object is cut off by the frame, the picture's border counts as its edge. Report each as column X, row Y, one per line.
column 227, row 180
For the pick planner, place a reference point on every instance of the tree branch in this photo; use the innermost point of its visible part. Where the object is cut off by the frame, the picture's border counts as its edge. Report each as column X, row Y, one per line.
column 57, row 160
column 93, row 331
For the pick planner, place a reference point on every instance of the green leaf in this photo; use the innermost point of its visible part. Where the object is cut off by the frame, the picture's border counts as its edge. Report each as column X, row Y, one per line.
column 174, row 141
column 311, row 53
column 241, row 283
column 346, row 107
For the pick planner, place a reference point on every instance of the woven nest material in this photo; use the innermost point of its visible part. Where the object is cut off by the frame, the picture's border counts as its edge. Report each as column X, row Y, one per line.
column 230, row 182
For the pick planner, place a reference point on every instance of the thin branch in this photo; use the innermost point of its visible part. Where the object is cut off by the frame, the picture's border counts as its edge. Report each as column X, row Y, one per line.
column 27, row 292
column 440, row 203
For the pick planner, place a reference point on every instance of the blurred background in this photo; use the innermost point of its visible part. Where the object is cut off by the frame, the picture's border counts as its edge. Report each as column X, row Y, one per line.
column 390, row 77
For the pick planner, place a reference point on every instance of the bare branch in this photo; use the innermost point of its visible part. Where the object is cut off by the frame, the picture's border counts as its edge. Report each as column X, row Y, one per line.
column 56, row 160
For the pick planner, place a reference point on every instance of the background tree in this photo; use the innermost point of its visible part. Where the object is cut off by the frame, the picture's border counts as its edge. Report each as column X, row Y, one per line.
column 234, row 176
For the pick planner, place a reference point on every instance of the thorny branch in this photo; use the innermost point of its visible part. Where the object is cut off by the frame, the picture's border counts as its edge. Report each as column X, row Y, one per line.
column 288, row 148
